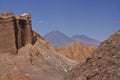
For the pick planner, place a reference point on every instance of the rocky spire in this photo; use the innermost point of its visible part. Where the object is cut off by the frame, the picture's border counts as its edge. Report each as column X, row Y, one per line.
column 15, row 32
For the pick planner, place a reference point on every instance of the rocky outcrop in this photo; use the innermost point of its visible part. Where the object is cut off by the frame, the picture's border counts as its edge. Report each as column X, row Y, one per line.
column 35, row 57
column 24, row 34
column 104, row 64
column 15, row 32
column 77, row 51
column 39, row 61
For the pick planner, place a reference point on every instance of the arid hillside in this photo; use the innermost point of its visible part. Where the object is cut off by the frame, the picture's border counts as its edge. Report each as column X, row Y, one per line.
column 15, row 76
column 25, row 55
column 103, row 65
column 77, row 51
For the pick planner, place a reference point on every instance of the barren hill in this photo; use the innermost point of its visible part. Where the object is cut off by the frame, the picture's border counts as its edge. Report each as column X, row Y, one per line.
column 103, row 65
column 77, row 51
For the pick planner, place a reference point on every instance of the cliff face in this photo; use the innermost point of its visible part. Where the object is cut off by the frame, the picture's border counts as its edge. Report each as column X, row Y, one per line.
column 104, row 64
column 7, row 33
column 77, row 51
column 15, row 32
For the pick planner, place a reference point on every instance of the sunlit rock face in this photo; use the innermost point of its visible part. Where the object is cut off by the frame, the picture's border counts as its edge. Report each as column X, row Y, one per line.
column 15, row 32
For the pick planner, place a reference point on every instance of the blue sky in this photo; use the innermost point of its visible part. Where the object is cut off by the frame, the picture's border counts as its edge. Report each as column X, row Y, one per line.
column 95, row 18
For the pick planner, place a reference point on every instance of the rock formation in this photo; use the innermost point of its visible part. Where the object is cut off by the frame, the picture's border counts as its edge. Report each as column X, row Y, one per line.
column 15, row 32
column 77, row 51
column 36, row 59
column 103, row 65
column 39, row 61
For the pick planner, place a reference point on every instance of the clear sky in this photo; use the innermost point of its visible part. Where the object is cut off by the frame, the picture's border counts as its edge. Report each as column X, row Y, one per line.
column 95, row 18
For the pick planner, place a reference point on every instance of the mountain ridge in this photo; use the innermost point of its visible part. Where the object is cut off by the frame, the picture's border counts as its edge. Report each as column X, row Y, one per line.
column 86, row 40
column 58, row 39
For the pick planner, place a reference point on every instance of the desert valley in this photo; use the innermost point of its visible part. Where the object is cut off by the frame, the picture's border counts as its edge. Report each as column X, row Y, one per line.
column 26, row 55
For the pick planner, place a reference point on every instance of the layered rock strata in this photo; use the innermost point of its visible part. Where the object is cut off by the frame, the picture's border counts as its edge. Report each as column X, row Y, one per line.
column 15, row 32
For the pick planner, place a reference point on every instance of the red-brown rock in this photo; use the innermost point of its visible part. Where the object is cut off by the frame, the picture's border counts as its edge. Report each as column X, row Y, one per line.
column 15, row 32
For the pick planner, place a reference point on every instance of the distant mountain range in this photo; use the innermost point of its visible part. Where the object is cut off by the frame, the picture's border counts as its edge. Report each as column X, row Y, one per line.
column 86, row 40
column 58, row 39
